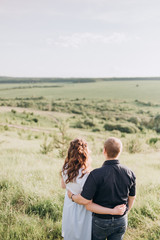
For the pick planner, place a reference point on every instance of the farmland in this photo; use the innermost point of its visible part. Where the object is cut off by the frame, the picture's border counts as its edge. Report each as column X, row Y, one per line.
column 125, row 90
column 37, row 121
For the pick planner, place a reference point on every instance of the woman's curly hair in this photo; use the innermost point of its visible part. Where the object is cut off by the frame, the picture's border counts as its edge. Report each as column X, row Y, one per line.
column 76, row 159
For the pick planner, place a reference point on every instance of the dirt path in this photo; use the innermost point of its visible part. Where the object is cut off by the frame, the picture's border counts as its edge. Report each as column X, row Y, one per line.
column 53, row 115
column 48, row 130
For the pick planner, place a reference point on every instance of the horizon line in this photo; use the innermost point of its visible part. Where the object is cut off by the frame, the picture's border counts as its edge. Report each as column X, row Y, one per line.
column 113, row 77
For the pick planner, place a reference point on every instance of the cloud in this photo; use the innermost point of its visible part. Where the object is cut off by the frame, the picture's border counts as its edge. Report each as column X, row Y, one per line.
column 80, row 39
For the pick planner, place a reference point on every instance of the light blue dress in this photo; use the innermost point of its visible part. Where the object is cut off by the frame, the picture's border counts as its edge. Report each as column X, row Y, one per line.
column 76, row 220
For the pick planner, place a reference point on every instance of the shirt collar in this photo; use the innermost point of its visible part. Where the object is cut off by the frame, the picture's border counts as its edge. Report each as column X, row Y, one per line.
column 111, row 162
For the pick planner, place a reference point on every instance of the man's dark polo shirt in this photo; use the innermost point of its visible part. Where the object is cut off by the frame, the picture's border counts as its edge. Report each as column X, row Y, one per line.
column 110, row 185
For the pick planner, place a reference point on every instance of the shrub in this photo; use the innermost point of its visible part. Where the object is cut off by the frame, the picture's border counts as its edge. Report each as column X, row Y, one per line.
column 61, row 140
column 154, row 123
column 79, row 124
column 13, row 111
column 46, row 146
column 25, row 104
column 153, row 141
column 133, row 146
column 35, row 120
column 96, row 130
column 134, row 120
column 76, row 111
column 89, row 123
column 120, row 127
column 6, row 128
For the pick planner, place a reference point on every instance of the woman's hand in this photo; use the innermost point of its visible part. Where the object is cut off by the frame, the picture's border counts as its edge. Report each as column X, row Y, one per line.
column 119, row 209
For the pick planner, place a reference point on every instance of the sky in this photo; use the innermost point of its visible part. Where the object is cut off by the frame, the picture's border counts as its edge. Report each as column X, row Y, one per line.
column 80, row 38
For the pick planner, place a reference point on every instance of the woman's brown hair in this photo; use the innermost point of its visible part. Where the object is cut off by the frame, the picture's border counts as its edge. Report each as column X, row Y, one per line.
column 76, row 159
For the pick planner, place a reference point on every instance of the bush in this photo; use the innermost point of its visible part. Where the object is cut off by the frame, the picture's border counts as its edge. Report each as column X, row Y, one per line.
column 76, row 111
column 6, row 128
column 46, row 146
column 79, row 124
column 134, row 146
column 134, row 120
column 13, row 111
column 61, row 141
column 25, row 104
column 89, row 123
column 153, row 141
column 35, row 120
column 155, row 123
column 120, row 127
column 96, row 130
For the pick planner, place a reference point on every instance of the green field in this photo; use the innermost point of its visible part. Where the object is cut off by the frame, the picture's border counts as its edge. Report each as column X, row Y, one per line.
column 124, row 90
column 37, row 121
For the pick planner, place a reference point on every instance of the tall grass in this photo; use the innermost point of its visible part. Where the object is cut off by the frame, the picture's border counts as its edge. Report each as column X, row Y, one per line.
column 32, row 200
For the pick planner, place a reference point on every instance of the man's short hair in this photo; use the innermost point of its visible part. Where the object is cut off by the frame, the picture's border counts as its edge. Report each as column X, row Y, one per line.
column 113, row 146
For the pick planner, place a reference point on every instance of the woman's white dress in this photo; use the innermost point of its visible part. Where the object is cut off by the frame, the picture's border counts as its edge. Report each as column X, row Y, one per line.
column 76, row 220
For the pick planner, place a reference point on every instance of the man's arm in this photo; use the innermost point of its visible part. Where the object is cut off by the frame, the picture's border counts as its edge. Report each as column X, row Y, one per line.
column 118, row 210
column 132, row 193
column 131, row 200
column 93, row 207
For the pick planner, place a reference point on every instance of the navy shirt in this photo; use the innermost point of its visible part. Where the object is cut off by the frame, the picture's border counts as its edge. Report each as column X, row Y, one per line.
column 110, row 185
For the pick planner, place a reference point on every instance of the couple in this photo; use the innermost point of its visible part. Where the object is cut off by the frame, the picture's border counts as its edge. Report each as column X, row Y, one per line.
column 108, row 192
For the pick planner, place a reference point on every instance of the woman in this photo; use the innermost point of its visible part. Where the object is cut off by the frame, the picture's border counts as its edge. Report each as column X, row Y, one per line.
column 76, row 220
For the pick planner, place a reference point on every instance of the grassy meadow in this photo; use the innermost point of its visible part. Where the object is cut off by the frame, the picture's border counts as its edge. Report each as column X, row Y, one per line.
column 124, row 90
column 37, row 121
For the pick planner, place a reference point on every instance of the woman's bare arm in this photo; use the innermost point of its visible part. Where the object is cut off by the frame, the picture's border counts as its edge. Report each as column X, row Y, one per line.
column 118, row 210
column 93, row 207
column 63, row 185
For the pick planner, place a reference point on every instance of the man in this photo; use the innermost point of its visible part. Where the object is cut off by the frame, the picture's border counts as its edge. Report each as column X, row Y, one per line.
column 110, row 185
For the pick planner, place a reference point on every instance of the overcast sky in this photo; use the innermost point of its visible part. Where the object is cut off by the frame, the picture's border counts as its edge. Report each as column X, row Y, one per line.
column 80, row 38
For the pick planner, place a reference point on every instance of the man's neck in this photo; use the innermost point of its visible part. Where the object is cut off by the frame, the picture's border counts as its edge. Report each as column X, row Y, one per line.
column 109, row 159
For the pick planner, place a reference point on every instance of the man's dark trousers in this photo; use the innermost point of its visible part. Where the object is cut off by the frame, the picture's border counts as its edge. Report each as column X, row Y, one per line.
column 110, row 229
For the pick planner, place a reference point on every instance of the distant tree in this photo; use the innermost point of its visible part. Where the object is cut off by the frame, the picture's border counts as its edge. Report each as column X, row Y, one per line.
column 62, row 139
column 46, row 146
